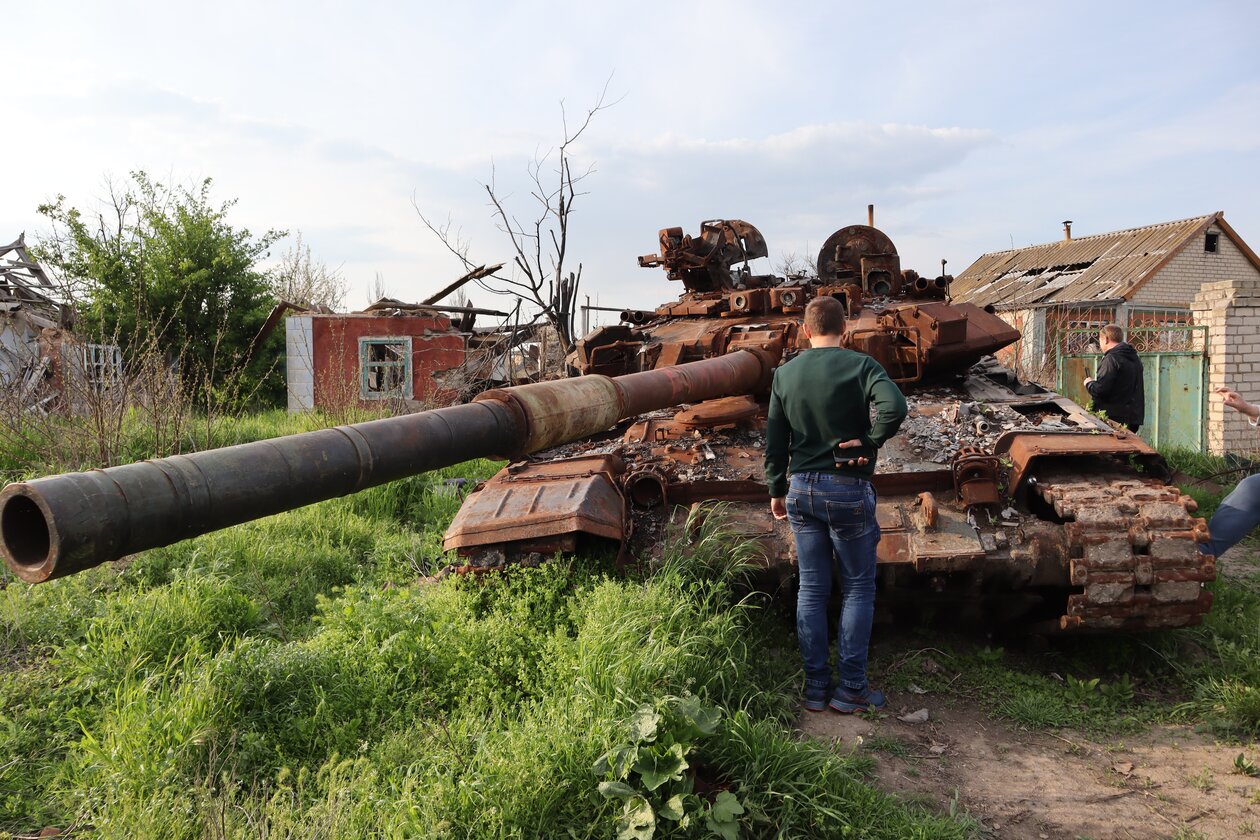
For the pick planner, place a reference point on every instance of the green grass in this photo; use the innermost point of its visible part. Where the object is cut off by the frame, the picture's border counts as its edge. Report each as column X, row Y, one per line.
column 295, row 677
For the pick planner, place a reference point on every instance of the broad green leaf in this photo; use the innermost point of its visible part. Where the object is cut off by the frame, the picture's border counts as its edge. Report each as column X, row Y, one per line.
column 617, row 761
column 674, row 809
column 637, row 822
column 643, row 724
column 616, row 790
column 723, row 816
column 656, row 767
column 703, row 719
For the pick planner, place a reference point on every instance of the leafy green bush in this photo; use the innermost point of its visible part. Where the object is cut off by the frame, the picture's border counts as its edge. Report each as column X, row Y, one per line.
column 652, row 773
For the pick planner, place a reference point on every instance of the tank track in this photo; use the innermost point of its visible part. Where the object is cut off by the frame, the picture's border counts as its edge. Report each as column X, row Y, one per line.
column 1133, row 548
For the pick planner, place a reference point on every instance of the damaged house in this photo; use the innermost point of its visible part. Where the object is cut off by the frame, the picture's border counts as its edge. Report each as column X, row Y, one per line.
column 40, row 359
column 1144, row 277
column 405, row 355
column 1186, row 292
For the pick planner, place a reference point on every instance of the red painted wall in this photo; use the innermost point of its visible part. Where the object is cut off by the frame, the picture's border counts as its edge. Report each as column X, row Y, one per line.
column 335, row 347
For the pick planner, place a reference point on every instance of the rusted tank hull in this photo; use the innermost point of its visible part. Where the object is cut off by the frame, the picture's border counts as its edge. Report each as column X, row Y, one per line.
column 1043, row 515
column 996, row 499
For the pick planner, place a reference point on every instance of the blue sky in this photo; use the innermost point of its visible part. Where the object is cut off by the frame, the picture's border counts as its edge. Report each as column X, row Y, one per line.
column 971, row 126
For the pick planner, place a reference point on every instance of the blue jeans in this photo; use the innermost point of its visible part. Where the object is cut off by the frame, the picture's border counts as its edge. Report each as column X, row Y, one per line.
column 833, row 517
column 1234, row 519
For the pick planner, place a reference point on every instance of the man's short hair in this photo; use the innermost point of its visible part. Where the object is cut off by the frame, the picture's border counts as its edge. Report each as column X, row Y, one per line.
column 825, row 316
column 1113, row 333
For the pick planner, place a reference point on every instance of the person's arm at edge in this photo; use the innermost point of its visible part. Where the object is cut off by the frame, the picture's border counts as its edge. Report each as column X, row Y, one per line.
column 778, row 440
column 889, row 402
column 1235, row 401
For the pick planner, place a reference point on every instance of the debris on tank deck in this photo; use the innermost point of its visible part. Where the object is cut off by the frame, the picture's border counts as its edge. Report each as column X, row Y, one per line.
column 939, row 424
column 734, row 454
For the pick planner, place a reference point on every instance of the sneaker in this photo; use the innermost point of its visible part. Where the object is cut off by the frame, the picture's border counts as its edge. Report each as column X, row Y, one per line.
column 848, row 702
column 816, row 698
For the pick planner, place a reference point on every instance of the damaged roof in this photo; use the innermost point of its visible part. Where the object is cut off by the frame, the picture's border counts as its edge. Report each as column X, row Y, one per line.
column 20, row 275
column 1106, row 266
column 25, row 285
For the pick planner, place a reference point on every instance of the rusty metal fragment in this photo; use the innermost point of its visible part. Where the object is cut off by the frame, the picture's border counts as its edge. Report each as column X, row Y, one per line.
column 526, row 504
column 976, row 476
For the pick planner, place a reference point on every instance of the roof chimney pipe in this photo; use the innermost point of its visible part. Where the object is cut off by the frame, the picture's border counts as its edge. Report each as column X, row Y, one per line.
column 870, row 215
column 1067, row 230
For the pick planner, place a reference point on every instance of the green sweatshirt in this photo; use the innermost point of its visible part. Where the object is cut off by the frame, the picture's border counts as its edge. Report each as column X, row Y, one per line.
column 821, row 398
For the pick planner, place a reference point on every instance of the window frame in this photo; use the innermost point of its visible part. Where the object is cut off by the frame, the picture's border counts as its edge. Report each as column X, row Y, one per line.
column 366, row 365
column 102, row 365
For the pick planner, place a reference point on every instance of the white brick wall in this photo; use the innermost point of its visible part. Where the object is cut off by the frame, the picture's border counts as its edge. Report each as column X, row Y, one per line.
column 1230, row 309
column 299, row 362
column 1177, row 283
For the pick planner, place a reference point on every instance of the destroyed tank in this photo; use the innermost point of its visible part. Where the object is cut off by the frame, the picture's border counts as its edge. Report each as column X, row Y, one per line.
column 997, row 498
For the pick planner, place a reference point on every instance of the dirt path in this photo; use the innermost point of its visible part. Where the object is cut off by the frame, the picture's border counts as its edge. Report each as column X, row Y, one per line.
column 1167, row 782
column 1022, row 784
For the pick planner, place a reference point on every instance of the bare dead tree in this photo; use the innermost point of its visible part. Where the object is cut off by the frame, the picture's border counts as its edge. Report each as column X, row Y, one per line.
column 541, row 271
column 303, row 279
column 791, row 265
column 378, row 290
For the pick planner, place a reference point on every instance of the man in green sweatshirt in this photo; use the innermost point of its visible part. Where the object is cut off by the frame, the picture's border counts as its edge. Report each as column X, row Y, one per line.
column 820, row 432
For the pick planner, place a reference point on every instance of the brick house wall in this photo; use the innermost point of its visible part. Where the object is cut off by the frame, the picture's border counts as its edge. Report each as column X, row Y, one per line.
column 1230, row 309
column 325, row 365
column 1177, row 283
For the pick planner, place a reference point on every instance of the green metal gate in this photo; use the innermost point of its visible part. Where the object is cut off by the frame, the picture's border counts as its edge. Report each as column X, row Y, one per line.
column 1174, row 365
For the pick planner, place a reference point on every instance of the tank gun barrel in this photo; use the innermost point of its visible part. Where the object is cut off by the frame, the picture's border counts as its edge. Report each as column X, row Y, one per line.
column 56, row 526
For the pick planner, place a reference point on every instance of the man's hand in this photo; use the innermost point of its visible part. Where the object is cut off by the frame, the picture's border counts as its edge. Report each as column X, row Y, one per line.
column 861, row 461
column 1234, row 401
column 778, row 507
column 1088, row 380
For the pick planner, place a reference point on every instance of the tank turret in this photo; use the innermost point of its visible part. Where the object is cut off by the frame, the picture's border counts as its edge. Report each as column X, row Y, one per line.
column 905, row 321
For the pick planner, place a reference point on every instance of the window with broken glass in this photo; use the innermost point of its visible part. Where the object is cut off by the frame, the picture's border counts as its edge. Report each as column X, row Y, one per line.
column 102, row 365
column 385, row 368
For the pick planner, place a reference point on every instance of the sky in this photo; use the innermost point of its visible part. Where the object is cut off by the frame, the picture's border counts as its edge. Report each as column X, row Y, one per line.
column 972, row 126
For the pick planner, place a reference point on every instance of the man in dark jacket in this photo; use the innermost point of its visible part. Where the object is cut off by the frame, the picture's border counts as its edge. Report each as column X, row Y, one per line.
column 1118, row 388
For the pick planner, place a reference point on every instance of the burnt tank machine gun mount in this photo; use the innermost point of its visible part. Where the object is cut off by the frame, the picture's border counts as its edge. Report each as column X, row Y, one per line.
column 997, row 498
